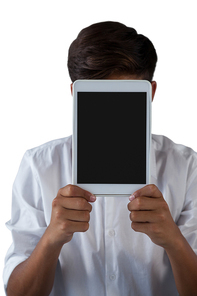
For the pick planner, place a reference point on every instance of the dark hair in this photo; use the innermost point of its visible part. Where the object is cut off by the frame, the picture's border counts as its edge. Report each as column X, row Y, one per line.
column 111, row 47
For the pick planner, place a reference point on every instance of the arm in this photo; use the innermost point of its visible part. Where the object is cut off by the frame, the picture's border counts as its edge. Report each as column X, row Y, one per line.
column 35, row 275
column 70, row 213
column 150, row 214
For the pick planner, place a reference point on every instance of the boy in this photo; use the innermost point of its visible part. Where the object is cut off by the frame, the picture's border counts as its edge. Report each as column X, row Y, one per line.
column 75, row 244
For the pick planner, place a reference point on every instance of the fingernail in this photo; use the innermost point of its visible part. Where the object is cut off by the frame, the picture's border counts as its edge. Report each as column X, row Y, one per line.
column 92, row 197
column 131, row 197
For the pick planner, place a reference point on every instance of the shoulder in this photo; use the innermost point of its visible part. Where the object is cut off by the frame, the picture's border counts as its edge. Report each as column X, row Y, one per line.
column 163, row 145
column 175, row 162
column 56, row 153
column 176, row 167
column 53, row 147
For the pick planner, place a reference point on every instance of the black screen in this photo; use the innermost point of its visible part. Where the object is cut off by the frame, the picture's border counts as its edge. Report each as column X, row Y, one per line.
column 111, row 138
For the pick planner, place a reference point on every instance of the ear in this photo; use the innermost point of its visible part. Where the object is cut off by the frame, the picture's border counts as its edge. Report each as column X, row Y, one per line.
column 71, row 88
column 154, row 87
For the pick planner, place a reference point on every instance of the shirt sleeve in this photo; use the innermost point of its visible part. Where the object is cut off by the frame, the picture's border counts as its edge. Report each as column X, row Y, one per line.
column 27, row 223
column 188, row 218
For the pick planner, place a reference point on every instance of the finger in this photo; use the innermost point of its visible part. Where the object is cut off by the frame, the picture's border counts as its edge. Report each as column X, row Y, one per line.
column 75, row 203
column 74, row 226
column 143, row 216
column 75, row 191
column 150, row 190
column 141, row 227
column 77, row 216
column 143, row 203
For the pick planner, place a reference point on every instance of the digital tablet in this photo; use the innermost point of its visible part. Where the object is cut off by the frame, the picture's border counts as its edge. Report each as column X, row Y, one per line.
column 111, row 135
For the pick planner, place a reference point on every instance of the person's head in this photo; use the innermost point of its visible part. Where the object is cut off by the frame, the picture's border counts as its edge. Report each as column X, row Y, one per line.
column 111, row 49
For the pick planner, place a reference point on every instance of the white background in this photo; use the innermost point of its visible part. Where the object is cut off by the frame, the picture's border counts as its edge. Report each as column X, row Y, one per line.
column 36, row 105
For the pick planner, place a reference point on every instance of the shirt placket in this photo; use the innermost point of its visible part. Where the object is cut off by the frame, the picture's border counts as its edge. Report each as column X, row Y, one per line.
column 111, row 268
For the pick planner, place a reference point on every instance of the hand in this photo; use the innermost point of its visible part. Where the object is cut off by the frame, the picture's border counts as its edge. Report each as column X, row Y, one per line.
column 150, row 214
column 70, row 213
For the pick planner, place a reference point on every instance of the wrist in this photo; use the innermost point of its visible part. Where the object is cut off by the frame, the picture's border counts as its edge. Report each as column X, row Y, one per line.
column 50, row 243
column 176, row 243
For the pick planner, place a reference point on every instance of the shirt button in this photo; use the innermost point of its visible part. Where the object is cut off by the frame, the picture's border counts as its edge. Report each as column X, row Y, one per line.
column 112, row 277
column 111, row 233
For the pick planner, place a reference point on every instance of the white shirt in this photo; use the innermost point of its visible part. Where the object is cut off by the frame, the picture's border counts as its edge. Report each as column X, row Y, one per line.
column 110, row 259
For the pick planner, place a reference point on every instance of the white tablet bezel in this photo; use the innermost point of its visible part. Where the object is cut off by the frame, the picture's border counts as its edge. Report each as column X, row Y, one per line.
column 111, row 86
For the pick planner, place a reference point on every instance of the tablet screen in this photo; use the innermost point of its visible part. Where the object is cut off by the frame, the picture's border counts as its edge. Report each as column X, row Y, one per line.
column 111, row 137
